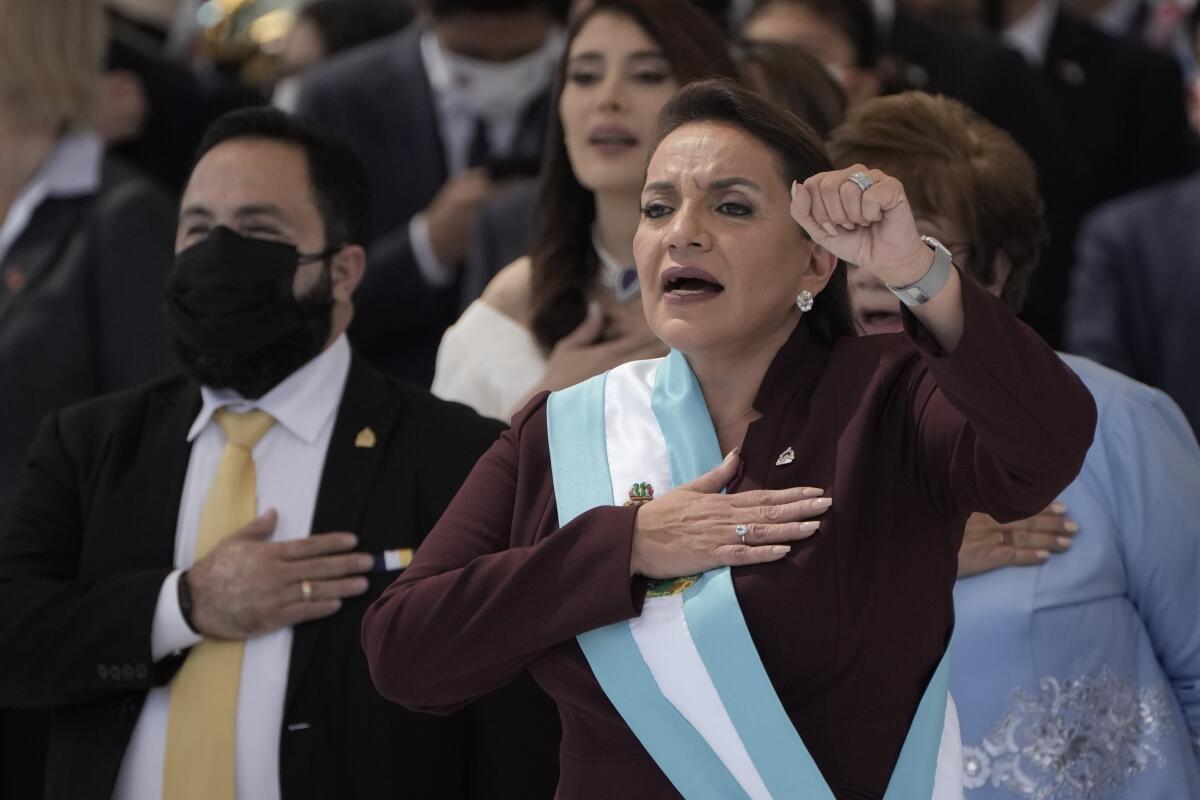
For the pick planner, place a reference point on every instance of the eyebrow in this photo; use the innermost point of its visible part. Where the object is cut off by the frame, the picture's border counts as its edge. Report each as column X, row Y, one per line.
column 595, row 55
column 243, row 212
column 720, row 183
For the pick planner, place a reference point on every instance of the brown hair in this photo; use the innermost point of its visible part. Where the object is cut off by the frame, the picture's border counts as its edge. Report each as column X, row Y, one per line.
column 51, row 56
column 564, row 265
column 956, row 165
column 854, row 18
column 800, row 154
column 788, row 75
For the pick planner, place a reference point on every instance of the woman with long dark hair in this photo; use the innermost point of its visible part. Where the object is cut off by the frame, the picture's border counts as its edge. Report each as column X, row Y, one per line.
column 773, row 623
column 571, row 309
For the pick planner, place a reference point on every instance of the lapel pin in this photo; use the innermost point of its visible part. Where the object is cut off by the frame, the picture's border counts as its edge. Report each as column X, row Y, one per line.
column 365, row 438
column 640, row 493
column 786, row 457
column 14, row 278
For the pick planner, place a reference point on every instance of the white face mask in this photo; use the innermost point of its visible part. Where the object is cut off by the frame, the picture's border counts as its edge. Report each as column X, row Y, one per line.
column 502, row 89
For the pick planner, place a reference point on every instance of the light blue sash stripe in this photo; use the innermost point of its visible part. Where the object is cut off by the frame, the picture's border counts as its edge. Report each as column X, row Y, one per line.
column 914, row 773
column 578, row 453
column 712, row 611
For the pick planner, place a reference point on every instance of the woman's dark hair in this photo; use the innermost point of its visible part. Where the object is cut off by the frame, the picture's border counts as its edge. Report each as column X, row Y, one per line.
column 854, row 18
column 564, row 265
column 786, row 74
column 800, row 154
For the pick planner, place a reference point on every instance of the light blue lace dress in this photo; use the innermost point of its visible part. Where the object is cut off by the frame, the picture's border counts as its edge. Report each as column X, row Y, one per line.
column 1080, row 679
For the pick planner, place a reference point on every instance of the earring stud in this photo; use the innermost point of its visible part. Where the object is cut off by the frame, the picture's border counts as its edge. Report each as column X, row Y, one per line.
column 804, row 301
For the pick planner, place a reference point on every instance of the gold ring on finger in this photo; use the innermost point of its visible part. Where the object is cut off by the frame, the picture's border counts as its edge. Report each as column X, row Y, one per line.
column 306, row 590
column 741, row 531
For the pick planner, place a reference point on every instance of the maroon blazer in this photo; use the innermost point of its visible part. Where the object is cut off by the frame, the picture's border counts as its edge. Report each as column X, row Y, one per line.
column 908, row 441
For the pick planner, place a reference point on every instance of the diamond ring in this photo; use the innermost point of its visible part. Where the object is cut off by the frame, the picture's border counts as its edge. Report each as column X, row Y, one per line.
column 741, row 531
column 862, row 180
column 306, row 590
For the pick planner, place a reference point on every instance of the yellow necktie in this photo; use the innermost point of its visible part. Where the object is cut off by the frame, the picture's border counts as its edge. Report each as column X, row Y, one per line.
column 201, row 721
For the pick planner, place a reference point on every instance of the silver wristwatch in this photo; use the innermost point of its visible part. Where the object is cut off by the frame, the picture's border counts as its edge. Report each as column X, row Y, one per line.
column 932, row 281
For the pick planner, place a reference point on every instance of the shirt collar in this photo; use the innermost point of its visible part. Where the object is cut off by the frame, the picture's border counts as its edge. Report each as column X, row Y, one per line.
column 1117, row 16
column 73, row 168
column 885, row 15
column 1030, row 34
column 302, row 403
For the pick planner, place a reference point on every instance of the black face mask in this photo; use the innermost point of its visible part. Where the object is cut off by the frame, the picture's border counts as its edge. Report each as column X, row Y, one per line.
column 233, row 317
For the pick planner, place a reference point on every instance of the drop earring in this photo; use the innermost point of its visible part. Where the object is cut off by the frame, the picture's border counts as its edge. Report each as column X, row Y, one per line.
column 804, row 301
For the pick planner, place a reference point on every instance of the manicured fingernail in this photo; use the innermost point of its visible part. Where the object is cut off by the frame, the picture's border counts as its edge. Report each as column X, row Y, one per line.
column 849, row 226
column 1063, row 541
column 795, row 185
column 824, row 502
column 807, row 527
column 1073, row 527
column 1043, row 554
column 780, row 550
column 813, row 492
column 1058, row 507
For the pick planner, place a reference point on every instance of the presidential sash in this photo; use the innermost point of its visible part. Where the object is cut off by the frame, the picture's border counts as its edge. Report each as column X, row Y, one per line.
column 686, row 676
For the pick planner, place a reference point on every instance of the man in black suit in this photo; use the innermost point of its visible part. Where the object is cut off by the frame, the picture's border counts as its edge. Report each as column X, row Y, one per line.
column 1123, row 102
column 442, row 112
column 111, row 598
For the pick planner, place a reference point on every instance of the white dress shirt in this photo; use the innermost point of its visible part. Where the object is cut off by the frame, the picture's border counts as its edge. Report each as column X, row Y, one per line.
column 289, row 460
column 71, row 169
column 1030, row 35
column 456, row 124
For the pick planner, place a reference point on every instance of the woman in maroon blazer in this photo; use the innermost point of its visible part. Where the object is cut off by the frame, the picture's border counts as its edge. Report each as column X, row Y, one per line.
column 904, row 436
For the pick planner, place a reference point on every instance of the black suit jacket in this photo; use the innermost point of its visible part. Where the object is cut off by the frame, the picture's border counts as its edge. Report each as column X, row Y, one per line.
column 81, row 305
column 996, row 82
column 1124, row 105
column 91, row 538
column 379, row 97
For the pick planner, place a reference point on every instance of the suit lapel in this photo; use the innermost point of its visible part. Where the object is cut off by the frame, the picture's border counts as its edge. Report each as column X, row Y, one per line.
column 424, row 150
column 170, row 452
column 366, row 417
column 38, row 249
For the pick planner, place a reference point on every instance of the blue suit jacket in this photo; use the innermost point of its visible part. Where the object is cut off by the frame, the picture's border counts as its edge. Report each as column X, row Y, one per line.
column 1134, row 290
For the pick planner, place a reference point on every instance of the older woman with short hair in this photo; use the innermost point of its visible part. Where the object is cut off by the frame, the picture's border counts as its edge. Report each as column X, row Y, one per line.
column 1077, row 675
column 785, row 637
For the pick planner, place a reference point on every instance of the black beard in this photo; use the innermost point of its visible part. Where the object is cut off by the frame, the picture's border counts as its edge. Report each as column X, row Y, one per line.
column 254, row 374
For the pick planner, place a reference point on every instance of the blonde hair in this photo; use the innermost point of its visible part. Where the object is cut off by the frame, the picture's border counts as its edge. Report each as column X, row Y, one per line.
column 51, row 56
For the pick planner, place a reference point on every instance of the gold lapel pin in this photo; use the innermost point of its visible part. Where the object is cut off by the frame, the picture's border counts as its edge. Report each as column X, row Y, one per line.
column 365, row 438
column 786, row 457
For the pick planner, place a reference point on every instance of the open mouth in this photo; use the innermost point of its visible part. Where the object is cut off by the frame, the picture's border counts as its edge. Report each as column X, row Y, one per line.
column 879, row 321
column 689, row 281
column 611, row 136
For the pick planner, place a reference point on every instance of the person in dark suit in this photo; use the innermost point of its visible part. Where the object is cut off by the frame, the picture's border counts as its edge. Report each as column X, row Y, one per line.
column 1123, row 102
column 852, row 464
column 184, row 564
column 442, row 111
column 1132, row 293
column 85, row 243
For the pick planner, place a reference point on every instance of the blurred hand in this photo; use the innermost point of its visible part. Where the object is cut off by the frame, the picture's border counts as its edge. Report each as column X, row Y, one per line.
column 248, row 586
column 122, row 109
column 584, row 352
column 874, row 229
column 691, row 528
column 451, row 216
column 988, row 545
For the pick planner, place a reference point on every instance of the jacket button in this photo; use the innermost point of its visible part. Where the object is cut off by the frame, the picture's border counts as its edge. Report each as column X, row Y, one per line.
column 114, row 672
column 142, row 672
column 102, row 671
column 127, row 672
